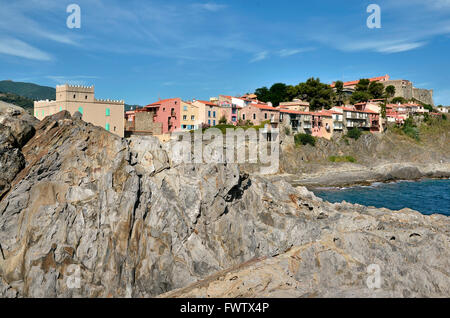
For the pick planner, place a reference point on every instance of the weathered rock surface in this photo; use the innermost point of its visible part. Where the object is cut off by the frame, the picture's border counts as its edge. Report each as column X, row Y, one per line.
column 94, row 215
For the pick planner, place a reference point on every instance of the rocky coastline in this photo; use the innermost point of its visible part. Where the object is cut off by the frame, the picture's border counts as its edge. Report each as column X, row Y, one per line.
column 84, row 213
column 352, row 175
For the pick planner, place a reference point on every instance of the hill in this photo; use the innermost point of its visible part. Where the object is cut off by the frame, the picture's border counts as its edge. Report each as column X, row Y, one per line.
column 17, row 100
column 29, row 90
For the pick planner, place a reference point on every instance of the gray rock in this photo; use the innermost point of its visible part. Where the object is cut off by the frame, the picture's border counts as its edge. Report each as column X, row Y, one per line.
column 93, row 215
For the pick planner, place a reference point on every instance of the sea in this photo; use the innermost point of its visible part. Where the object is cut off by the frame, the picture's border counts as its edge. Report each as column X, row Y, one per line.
column 428, row 196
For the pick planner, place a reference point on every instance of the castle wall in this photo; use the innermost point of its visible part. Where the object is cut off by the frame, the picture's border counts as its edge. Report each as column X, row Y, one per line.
column 405, row 89
column 424, row 95
column 104, row 113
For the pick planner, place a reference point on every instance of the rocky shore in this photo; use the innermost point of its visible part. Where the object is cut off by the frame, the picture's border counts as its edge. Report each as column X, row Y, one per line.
column 84, row 213
column 348, row 175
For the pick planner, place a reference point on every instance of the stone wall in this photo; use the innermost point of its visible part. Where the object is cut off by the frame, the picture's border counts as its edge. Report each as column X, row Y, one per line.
column 405, row 89
column 144, row 122
column 424, row 95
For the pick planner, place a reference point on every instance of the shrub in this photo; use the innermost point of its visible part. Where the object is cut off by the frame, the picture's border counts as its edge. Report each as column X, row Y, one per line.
column 410, row 129
column 341, row 159
column 398, row 99
column 287, row 131
column 304, row 139
column 444, row 117
column 354, row 133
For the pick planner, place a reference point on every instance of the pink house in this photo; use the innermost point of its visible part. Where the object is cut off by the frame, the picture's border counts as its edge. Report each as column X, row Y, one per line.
column 258, row 113
column 168, row 113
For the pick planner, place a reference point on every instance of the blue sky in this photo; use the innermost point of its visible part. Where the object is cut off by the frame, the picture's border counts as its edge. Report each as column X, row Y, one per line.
column 140, row 51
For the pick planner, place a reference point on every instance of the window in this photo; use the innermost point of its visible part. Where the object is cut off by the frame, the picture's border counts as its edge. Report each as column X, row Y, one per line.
column 209, row 113
column 214, row 114
column 214, row 122
column 114, row 128
column 74, row 96
column 265, row 115
column 254, row 116
column 243, row 116
column 80, row 109
column 60, row 108
column 209, row 121
column 192, row 117
column 233, row 118
column 43, row 112
column 189, row 127
column 183, row 126
column 85, row 97
column 107, row 127
column 164, row 109
column 36, row 113
column 108, row 112
column 185, row 108
column 184, row 117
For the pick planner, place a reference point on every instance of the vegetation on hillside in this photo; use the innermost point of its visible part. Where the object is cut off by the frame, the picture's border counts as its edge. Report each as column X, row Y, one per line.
column 315, row 92
column 29, row 90
column 341, row 159
column 304, row 139
column 354, row 133
column 23, row 102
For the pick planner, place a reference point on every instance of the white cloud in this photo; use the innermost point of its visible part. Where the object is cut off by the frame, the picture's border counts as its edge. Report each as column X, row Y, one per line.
column 213, row 7
column 403, row 47
column 72, row 80
column 290, row 52
column 259, row 56
column 15, row 47
column 389, row 46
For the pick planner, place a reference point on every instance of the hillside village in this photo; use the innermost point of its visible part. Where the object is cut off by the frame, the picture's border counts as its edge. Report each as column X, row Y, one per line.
column 399, row 100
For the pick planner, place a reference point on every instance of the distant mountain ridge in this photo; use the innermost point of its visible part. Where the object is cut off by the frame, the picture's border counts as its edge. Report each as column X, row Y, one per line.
column 28, row 90
column 13, row 91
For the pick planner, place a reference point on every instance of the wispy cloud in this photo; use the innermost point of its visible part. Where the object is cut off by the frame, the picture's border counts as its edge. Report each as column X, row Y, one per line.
column 210, row 6
column 72, row 80
column 15, row 47
column 393, row 46
column 259, row 56
column 290, row 52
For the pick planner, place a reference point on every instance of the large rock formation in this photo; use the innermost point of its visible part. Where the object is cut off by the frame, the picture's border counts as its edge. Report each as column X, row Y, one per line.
column 93, row 215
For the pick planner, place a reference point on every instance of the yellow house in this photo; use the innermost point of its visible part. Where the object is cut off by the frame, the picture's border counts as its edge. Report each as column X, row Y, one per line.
column 190, row 116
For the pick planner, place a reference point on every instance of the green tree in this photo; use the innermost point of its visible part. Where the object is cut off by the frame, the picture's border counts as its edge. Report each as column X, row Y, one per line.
column 318, row 94
column 339, row 86
column 376, row 89
column 278, row 93
column 363, row 85
column 263, row 94
column 354, row 133
column 398, row 99
column 390, row 91
column 360, row 96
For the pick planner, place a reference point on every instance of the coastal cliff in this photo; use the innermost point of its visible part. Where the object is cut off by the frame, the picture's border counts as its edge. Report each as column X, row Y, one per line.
column 375, row 158
column 84, row 213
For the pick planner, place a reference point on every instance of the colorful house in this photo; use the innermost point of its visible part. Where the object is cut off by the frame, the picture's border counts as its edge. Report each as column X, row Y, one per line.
column 168, row 112
column 209, row 112
column 190, row 116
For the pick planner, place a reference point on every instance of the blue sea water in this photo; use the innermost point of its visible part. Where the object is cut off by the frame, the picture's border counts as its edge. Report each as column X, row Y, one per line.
column 427, row 196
